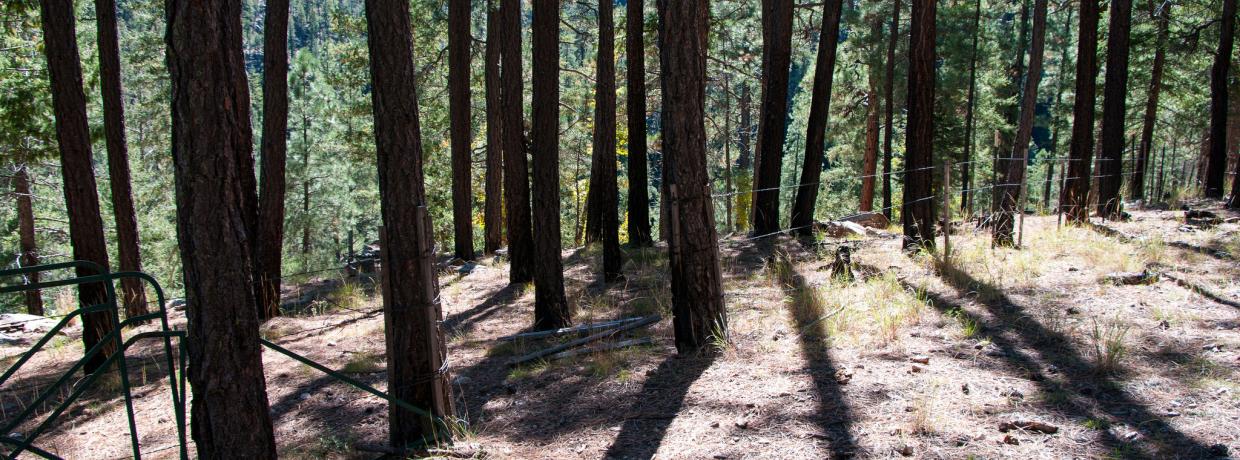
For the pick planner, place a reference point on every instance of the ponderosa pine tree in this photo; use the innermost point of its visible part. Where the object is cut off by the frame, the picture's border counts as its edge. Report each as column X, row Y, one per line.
column 1056, row 108
column 918, row 205
column 889, row 85
column 1012, row 174
column 269, row 241
column 133, row 294
column 551, row 309
column 819, row 110
column 603, row 200
column 772, row 123
column 699, row 316
column 744, row 162
column 1216, row 166
column 635, row 68
column 966, row 170
column 493, row 206
column 411, row 308
column 459, row 40
column 64, row 70
column 1161, row 15
column 1074, row 198
column 1008, row 95
column 1114, row 110
column 516, row 166
column 210, row 131
column 25, row 228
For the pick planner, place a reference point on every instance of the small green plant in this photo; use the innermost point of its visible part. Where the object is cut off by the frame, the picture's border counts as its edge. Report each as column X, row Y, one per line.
column 363, row 363
column 969, row 326
column 1096, row 424
column 719, row 339
column 1109, row 347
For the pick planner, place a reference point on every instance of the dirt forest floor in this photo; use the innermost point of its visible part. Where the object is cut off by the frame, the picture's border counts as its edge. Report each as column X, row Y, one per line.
column 1000, row 353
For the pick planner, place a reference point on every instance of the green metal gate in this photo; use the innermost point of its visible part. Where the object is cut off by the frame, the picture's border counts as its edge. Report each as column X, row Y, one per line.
column 175, row 359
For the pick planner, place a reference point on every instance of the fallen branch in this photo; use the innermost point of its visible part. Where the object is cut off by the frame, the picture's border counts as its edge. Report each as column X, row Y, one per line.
column 1202, row 290
column 584, row 340
column 582, row 329
column 598, row 349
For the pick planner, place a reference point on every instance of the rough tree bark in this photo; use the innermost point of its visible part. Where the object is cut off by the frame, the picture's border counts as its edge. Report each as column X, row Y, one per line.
column 603, row 200
column 772, row 124
column 551, row 309
column 918, row 206
column 889, row 96
column 411, row 309
column 25, row 228
column 1075, row 194
column 516, row 167
column 1162, row 14
column 132, row 292
column 1012, row 175
column 697, row 288
column 820, row 108
column 459, row 39
column 493, row 206
column 269, row 241
column 1216, row 167
column 1114, row 110
column 64, row 70
column 639, row 185
column 210, row 131
column 966, row 170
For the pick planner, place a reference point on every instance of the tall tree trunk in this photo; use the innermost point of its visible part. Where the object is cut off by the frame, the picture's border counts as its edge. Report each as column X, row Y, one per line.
column 889, row 97
column 1005, row 140
column 551, row 309
column 727, row 152
column 918, row 206
column 210, row 132
column 516, row 168
column 966, row 170
column 459, row 39
column 1073, row 200
column 493, row 207
column 870, row 161
column 603, row 200
column 411, row 310
column 25, row 228
column 1013, row 174
column 819, row 109
column 698, row 310
column 64, row 70
column 1216, row 166
column 639, row 185
column 132, row 292
column 1114, row 110
column 1137, row 187
column 269, row 242
column 772, row 124
column 1060, row 79
column 744, row 163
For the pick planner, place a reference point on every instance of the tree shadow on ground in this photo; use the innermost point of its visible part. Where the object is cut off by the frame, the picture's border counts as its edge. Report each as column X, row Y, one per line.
column 465, row 321
column 1015, row 332
column 834, row 417
column 655, row 407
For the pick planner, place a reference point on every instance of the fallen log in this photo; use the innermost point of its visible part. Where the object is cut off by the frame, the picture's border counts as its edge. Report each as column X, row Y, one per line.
column 581, row 329
column 1202, row 290
column 582, row 341
column 599, row 349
